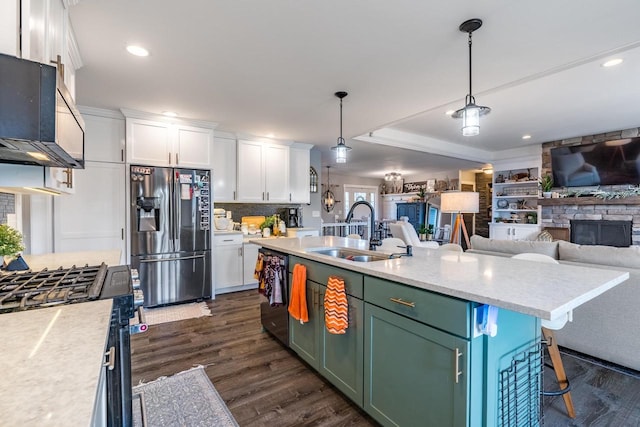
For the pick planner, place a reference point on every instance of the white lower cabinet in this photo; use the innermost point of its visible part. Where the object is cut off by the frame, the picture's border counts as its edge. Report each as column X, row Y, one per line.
column 94, row 217
column 508, row 231
column 249, row 257
column 227, row 260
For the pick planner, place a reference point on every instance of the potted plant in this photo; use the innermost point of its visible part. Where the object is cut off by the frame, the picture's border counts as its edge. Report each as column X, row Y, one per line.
column 422, row 194
column 430, row 232
column 546, row 183
column 422, row 232
column 10, row 243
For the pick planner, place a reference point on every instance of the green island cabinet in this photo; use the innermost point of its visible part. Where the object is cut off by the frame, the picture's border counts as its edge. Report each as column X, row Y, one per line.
column 410, row 357
column 338, row 358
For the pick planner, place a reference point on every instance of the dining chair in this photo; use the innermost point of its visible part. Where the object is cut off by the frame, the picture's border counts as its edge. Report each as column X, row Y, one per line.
column 392, row 244
column 405, row 231
column 453, row 247
column 548, row 326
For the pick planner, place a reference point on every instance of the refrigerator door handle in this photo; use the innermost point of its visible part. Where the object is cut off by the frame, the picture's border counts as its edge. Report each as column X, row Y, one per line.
column 172, row 259
column 176, row 211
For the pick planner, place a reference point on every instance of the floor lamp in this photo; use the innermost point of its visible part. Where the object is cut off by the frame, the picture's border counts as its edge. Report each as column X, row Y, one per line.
column 459, row 203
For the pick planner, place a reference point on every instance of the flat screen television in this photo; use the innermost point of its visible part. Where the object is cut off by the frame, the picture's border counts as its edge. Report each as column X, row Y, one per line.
column 614, row 162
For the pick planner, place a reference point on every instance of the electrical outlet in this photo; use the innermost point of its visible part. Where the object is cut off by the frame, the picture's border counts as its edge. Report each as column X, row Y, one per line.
column 315, row 214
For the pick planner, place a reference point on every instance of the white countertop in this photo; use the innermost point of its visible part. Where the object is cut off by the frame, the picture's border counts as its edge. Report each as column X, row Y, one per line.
column 546, row 291
column 51, row 360
column 69, row 259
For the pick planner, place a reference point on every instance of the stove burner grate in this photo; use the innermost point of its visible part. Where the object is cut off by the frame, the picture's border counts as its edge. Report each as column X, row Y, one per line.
column 25, row 290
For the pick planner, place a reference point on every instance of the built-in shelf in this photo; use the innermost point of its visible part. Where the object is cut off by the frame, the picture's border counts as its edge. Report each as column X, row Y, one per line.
column 517, row 210
column 533, row 181
column 633, row 200
column 521, row 196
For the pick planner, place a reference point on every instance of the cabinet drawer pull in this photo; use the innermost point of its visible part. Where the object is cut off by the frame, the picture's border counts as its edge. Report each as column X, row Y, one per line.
column 399, row 301
column 458, row 371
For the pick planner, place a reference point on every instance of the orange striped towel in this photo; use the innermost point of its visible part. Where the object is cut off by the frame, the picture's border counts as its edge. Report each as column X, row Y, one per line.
column 336, row 307
column 298, row 297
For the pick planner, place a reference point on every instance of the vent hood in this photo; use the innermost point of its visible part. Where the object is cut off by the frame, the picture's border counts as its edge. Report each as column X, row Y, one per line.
column 39, row 122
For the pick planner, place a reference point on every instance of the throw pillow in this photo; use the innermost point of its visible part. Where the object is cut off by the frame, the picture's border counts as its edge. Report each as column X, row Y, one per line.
column 544, row 236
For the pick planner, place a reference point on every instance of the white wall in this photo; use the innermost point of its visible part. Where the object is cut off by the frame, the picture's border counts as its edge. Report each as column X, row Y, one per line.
column 315, row 202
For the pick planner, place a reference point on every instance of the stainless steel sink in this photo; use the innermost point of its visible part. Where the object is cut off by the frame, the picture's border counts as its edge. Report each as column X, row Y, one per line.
column 351, row 254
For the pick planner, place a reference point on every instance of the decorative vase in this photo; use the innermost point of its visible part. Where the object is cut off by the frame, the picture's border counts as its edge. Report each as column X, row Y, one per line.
column 423, row 237
column 546, row 194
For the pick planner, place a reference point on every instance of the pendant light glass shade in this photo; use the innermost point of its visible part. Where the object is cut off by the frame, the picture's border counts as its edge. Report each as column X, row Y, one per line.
column 471, row 112
column 341, row 151
column 470, row 120
column 341, row 148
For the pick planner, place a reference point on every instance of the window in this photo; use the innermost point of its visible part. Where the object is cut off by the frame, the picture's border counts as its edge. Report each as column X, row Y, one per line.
column 432, row 216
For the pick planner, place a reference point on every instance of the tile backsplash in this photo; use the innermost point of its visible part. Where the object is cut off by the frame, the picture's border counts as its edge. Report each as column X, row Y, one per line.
column 249, row 209
column 7, row 206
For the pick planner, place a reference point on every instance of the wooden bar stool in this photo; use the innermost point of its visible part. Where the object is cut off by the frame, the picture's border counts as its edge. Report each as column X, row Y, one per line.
column 548, row 326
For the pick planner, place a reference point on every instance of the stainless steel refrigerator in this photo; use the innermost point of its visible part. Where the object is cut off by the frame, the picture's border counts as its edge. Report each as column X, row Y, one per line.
column 170, row 236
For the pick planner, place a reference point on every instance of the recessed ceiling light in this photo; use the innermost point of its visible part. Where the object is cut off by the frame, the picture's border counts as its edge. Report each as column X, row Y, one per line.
column 450, row 112
column 170, row 114
column 137, row 50
column 612, row 62
column 526, row 136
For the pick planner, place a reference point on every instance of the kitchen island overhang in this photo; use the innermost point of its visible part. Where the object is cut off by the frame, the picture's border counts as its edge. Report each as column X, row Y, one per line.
column 546, row 291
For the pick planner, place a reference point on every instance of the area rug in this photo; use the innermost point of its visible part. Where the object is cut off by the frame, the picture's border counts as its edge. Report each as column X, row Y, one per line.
column 184, row 399
column 172, row 313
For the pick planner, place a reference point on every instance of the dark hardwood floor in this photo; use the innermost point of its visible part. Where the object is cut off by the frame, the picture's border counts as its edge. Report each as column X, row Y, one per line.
column 265, row 384
column 262, row 382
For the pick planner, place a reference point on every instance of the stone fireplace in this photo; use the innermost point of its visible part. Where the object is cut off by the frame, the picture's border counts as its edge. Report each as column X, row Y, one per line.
column 558, row 213
column 563, row 212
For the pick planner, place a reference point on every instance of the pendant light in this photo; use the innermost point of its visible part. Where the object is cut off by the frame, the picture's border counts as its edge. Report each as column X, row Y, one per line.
column 341, row 148
column 471, row 112
column 328, row 199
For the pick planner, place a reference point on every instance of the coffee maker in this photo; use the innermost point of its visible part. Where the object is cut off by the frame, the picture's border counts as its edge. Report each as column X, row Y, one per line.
column 294, row 217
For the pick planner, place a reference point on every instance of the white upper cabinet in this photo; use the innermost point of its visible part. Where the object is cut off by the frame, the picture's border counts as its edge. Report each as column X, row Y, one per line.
column 158, row 143
column 149, row 143
column 224, row 165
column 10, row 27
column 40, row 30
column 250, row 173
column 263, row 172
column 300, row 163
column 193, row 147
column 104, row 139
column 276, row 172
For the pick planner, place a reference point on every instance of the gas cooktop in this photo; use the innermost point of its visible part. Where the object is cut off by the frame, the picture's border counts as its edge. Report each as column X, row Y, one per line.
column 23, row 290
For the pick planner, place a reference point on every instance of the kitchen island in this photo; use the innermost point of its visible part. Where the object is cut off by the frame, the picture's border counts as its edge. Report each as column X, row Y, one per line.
column 412, row 354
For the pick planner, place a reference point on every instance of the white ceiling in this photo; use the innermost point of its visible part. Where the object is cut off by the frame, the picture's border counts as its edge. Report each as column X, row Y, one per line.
column 271, row 67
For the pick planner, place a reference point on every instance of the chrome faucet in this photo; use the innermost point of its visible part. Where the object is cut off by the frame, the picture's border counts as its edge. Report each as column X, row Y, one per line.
column 374, row 240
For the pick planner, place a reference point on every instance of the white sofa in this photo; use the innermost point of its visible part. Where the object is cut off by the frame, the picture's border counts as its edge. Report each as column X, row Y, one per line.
column 607, row 327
